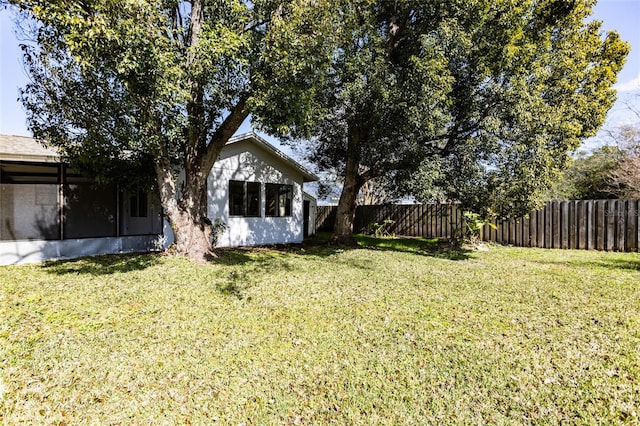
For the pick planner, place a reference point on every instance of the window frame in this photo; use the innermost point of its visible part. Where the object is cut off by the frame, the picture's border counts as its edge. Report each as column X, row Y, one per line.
column 139, row 204
column 280, row 190
column 251, row 198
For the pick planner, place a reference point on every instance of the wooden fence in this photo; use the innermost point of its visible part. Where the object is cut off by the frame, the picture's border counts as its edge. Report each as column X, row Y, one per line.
column 612, row 225
column 419, row 220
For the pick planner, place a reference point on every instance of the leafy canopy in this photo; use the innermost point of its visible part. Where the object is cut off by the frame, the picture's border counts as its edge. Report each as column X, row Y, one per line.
column 478, row 101
column 127, row 80
column 118, row 84
column 589, row 177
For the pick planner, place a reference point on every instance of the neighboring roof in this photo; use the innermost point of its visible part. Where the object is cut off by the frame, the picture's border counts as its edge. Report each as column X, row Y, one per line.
column 305, row 194
column 254, row 138
column 24, row 148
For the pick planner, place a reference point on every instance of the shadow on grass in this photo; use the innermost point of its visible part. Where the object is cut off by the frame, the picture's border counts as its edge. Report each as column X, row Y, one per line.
column 318, row 246
column 613, row 264
column 103, row 265
column 233, row 289
column 421, row 246
column 264, row 258
column 629, row 264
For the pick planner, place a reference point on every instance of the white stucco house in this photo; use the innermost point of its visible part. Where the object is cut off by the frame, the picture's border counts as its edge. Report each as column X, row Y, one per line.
column 48, row 211
column 257, row 191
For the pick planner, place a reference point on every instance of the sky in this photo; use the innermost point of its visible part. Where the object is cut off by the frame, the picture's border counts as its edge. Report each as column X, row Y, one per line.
column 622, row 16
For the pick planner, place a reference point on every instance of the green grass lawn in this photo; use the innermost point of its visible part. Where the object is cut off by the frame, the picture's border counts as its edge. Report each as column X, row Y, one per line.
column 395, row 332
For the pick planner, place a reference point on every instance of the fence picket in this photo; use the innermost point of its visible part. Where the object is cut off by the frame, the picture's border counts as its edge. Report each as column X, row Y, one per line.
column 532, row 229
column 581, row 225
column 540, row 228
column 632, row 223
column 621, row 222
column 590, row 224
column 610, row 229
column 565, row 223
column 600, row 225
column 571, row 225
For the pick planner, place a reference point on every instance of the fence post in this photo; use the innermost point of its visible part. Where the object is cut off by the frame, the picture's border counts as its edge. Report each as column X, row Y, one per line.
column 621, row 222
column 532, row 229
column 572, row 225
column 610, row 228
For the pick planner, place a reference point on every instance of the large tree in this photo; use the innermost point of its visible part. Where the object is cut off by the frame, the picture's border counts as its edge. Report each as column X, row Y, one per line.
column 610, row 171
column 120, row 83
column 478, row 101
column 589, row 177
column 624, row 179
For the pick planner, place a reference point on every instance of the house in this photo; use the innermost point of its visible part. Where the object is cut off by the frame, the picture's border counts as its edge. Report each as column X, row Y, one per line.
column 49, row 211
column 257, row 192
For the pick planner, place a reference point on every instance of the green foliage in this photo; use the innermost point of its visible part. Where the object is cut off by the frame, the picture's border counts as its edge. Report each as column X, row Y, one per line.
column 474, row 223
column 118, row 76
column 625, row 179
column 531, row 80
column 607, row 172
column 381, row 230
column 479, row 102
column 123, row 87
column 589, row 177
column 381, row 83
column 485, row 99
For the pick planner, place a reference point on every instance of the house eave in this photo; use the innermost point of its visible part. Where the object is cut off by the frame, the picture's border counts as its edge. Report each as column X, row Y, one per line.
column 30, row 158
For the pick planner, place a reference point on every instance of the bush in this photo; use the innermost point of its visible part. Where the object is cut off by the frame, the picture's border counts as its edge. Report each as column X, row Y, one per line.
column 382, row 230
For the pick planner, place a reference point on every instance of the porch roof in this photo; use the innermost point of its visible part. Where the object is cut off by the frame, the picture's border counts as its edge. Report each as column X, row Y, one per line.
column 24, row 148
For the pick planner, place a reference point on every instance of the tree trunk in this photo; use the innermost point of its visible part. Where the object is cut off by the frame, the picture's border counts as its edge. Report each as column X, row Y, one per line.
column 343, row 228
column 186, row 208
column 192, row 235
column 186, row 215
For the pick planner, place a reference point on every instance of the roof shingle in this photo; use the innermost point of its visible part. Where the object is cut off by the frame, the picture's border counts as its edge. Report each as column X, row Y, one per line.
column 25, row 148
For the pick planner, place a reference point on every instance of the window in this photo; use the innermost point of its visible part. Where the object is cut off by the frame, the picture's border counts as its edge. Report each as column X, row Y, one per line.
column 90, row 211
column 244, row 198
column 138, row 204
column 29, row 201
column 279, row 199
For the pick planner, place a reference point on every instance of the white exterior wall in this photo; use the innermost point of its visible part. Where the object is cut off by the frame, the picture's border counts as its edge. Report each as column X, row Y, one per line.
column 245, row 161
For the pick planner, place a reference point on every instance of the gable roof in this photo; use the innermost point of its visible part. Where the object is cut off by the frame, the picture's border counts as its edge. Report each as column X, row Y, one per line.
column 307, row 175
column 24, row 148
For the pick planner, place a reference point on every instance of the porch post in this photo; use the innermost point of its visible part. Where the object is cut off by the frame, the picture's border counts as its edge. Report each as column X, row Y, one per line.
column 61, row 179
column 118, row 210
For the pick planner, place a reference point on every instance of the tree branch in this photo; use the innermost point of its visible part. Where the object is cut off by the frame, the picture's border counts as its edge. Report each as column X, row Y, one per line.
column 224, row 132
column 255, row 25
